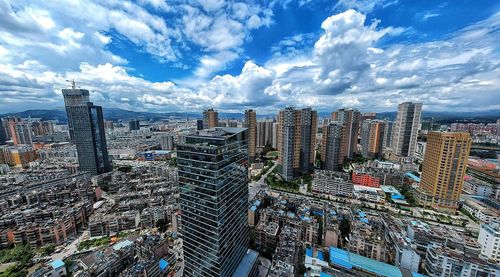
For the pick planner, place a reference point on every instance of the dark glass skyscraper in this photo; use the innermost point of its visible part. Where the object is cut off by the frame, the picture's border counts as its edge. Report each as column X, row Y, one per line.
column 214, row 195
column 86, row 128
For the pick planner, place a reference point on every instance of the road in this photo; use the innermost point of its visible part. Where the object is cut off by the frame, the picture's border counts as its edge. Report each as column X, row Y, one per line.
column 71, row 248
column 256, row 186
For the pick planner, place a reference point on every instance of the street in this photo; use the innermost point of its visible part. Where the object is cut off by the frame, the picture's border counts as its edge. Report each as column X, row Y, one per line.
column 256, row 186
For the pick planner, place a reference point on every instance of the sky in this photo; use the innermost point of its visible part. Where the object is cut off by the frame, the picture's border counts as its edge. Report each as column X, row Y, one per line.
column 166, row 56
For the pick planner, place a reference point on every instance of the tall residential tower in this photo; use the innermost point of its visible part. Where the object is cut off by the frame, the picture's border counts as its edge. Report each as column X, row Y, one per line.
column 210, row 119
column 251, row 124
column 297, row 141
column 405, row 130
column 443, row 171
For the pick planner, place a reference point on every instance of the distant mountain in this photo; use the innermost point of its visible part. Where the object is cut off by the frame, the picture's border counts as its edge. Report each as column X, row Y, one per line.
column 115, row 114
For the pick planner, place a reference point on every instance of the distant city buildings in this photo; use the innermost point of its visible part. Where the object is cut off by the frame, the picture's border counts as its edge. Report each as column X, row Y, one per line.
column 405, row 130
column 214, row 209
column 86, row 127
column 210, row 119
column 21, row 132
column 134, row 125
column 296, row 141
column 444, row 169
column 264, row 133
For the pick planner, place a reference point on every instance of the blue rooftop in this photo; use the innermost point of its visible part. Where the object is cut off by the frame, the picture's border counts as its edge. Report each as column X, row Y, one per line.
column 163, row 265
column 415, row 178
column 322, row 274
column 257, row 203
column 321, row 256
column 253, row 208
column 348, row 260
column 122, row 244
column 364, row 220
column 361, row 214
column 57, row 264
column 320, row 213
column 309, row 251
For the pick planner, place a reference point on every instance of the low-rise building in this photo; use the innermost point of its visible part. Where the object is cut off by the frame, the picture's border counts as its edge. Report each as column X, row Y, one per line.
column 489, row 238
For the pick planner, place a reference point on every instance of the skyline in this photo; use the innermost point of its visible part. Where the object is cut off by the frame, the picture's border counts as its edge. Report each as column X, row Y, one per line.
column 147, row 56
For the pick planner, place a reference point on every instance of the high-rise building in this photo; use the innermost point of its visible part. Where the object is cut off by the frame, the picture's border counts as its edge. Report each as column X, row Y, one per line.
column 275, row 135
column 296, row 141
column 264, row 132
column 350, row 119
column 251, row 124
column 3, row 134
column 86, row 127
column 332, row 146
column 388, row 134
column 210, row 119
column 134, row 125
column 405, row 130
column 214, row 198
column 41, row 128
column 21, row 132
column 443, row 170
column 199, row 124
column 372, row 135
column 166, row 142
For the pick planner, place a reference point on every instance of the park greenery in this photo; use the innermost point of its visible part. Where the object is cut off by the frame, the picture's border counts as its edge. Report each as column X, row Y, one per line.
column 21, row 255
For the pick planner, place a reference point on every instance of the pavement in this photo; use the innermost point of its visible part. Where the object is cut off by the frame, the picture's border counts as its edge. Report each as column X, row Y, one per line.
column 71, row 248
column 255, row 186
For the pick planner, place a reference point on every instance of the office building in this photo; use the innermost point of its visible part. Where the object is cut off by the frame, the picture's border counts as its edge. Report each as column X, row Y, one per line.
column 251, row 124
column 333, row 146
column 443, row 170
column 350, row 118
column 21, row 132
column 489, row 239
column 296, row 141
column 86, row 127
column 214, row 197
column 210, row 119
column 372, row 136
column 405, row 130
column 134, row 125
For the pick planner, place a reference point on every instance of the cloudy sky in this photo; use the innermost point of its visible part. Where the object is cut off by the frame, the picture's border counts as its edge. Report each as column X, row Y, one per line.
column 156, row 55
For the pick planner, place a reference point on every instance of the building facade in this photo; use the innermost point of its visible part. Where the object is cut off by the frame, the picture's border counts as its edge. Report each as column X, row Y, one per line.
column 251, row 124
column 296, row 141
column 444, row 167
column 210, row 119
column 86, row 126
column 405, row 129
column 332, row 146
column 350, row 118
column 214, row 197
column 372, row 136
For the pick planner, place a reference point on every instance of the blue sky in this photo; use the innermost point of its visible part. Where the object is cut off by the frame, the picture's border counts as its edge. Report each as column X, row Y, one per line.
column 160, row 55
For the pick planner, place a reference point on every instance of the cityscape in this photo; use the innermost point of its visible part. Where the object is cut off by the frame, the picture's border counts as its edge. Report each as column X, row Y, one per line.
column 155, row 138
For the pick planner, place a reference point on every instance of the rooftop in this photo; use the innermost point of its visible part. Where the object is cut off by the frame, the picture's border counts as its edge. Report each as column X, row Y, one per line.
column 246, row 264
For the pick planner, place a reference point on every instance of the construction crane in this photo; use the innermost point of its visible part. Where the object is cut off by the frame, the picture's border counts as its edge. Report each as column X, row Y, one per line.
column 72, row 82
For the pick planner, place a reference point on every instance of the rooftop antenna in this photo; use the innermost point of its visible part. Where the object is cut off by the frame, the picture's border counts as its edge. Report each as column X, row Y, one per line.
column 72, row 82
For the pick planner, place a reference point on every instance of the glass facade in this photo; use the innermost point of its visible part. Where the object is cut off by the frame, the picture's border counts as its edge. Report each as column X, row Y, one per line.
column 86, row 126
column 213, row 172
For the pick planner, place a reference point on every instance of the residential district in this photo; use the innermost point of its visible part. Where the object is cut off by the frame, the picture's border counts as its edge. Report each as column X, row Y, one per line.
column 298, row 193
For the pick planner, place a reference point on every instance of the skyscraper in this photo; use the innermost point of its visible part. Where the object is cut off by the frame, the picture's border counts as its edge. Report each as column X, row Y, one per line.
column 443, row 171
column 332, row 146
column 199, row 124
column 134, row 125
column 214, row 197
column 210, row 119
column 3, row 134
column 296, row 141
column 86, row 127
column 251, row 124
column 264, row 132
column 405, row 130
column 372, row 135
column 350, row 119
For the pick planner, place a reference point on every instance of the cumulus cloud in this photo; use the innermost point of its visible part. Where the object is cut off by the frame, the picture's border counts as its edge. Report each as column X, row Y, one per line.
column 343, row 64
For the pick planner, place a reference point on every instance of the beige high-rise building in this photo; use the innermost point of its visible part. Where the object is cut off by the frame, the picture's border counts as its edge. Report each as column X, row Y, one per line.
column 443, row 171
column 405, row 130
column 210, row 119
column 372, row 136
column 297, row 141
column 251, row 124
